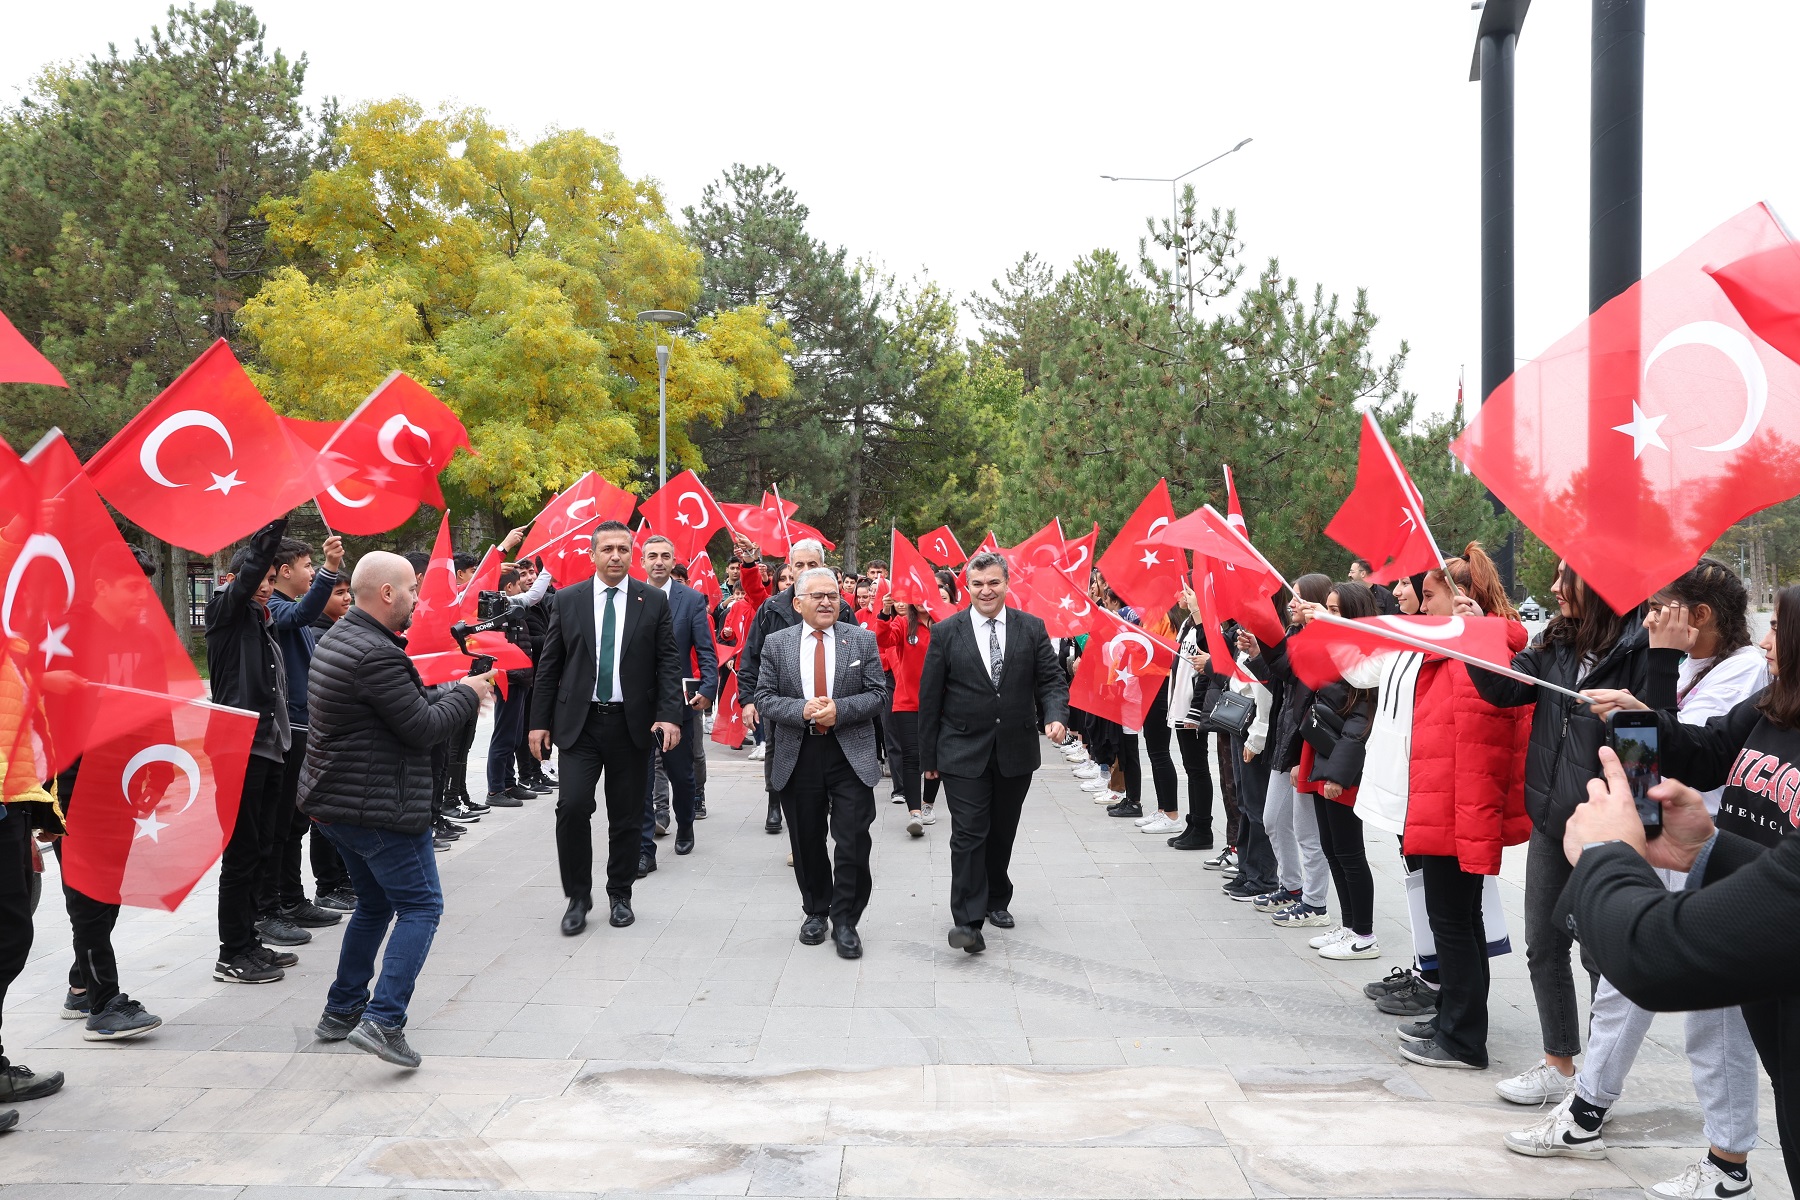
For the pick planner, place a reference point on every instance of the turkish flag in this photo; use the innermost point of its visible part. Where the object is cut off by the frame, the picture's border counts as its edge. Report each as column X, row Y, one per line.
column 1233, row 513
column 800, row 531
column 394, row 444
column 764, row 526
column 774, row 503
column 1120, row 671
column 157, row 800
column 728, row 721
column 485, row 579
column 636, row 567
column 989, row 544
column 912, row 580
column 447, row 666
column 437, row 609
column 683, row 511
column 1242, row 594
column 1149, row 578
column 208, row 461
column 557, row 533
column 703, row 579
column 1212, row 621
column 20, row 362
column 1764, row 288
column 940, row 546
column 75, row 595
column 1324, row 650
column 1078, row 555
column 1061, row 602
column 1631, row 444
column 1383, row 518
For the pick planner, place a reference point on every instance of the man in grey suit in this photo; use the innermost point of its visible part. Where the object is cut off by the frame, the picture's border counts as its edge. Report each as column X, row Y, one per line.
column 820, row 689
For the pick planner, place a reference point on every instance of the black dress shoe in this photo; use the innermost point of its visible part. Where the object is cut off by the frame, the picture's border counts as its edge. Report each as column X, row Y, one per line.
column 684, row 845
column 772, row 824
column 1002, row 919
column 621, row 914
column 575, row 919
column 812, row 931
column 848, row 944
column 967, row 937
column 646, row 864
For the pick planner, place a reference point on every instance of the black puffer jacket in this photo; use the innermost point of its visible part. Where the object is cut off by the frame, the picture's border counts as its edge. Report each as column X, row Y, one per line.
column 1565, row 735
column 1295, row 700
column 368, row 756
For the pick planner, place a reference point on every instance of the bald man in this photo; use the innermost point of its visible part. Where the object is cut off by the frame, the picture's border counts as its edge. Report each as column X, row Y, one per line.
column 367, row 784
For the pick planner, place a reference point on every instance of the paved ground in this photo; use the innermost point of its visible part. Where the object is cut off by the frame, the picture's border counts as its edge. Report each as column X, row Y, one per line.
column 1136, row 1036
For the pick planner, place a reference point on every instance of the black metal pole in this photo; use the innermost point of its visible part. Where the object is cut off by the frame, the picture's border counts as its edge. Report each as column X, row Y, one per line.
column 1616, row 152
column 1496, row 51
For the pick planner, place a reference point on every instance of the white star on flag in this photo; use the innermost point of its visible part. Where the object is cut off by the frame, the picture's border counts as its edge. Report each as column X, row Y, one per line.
column 682, row 518
column 53, row 644
column 1150, row 559
column 378, row 476
column 148, row 827
column 224, row 483
column 1066, row 602
column 1642, row 430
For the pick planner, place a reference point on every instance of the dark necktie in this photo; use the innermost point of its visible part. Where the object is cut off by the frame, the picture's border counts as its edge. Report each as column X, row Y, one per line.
column 994, row 650
column 603, row 676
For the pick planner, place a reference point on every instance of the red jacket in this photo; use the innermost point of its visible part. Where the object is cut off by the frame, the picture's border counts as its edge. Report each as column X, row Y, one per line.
column 1466, row 783
column 909, row 658
column 872, row 620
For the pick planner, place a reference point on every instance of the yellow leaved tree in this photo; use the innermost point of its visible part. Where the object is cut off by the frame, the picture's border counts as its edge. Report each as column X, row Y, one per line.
column 507, row 280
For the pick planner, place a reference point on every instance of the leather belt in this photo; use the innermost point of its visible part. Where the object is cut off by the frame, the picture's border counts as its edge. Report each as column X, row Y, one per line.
column 607, row 705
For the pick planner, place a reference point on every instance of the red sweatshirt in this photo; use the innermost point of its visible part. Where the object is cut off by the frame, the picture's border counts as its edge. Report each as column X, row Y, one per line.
column 909, row 658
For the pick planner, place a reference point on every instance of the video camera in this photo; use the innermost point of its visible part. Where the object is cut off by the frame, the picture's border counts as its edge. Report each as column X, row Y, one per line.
column 493, row 611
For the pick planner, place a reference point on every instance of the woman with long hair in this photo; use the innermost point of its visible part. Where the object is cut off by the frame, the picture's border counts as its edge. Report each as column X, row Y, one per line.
column 1586, row 645
column 1186, row 687
column 905, row 631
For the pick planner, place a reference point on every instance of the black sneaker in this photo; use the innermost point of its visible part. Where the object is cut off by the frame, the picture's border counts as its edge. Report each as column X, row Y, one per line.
column 121, row 1019
column 75, row 1006
column 247, row 968
column 1125, row 808
column 21, row 1083
column 280, row 931
column 1417, row 1031
column 661, row 818
column 1433, row 1054
column 540, row 787
column 1417, row 999
column 389, row 1045
column 446, row 830
column 8, row 1118
column 518, row 792
column 472, row 805
column 337, row 900
column 335, row 1027
column 1393, row 981
column 1194, row 837
column 439, row 844
column 699, row 808
column 1242, row 890
column 308, row 915
column 466, row 816
column 504, row 800
column 276, row 958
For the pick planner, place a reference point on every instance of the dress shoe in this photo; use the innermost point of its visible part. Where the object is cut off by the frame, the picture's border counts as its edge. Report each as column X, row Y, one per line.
column 684, row 842
column 621, row 914
column 646, row 864
column 848, row 944
column 575, row 920
column 773, row 822
column 967, row 937
column 812, row 931
column 1002, row 919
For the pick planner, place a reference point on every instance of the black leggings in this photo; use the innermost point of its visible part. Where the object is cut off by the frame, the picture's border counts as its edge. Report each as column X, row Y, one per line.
column 1156, row 745
column 1341, row 838
column 1131, row 768
column 905, row 727
column 1192, row 744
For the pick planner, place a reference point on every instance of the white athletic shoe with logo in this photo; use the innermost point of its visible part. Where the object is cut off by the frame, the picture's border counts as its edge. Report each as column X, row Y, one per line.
column 1558, row 1136
column 1703, row 1181
column 1329, row 937
column 1159, row 823
column 1351, row 947
column 1543, row 1084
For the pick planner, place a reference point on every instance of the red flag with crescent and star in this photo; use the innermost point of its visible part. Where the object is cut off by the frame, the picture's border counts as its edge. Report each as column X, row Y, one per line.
column 1635, row 441
column 703, row 579
column 395, row 443
column 941, row 547
column 157, row 799
column 1078, row 555
column 1325, row 650
column 728, row 722
column 1060, row 602
column 913, row 580
column 558, row 532
column 683, row 511
column 1120, row 671
column 1246, row 594
column 1149, row 578
column 1383, row 518
column 208, row 461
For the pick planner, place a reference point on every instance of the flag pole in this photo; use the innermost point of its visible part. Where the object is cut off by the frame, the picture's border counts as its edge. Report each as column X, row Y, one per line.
column 781, row 511
column 1388, row 633
column 320, row 508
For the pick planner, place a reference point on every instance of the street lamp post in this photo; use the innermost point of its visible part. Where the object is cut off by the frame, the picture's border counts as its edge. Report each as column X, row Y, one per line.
column 664, row 317
column 1174, row 205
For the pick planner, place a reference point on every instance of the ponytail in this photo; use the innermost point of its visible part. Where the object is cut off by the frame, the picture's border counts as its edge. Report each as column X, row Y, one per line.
column 1475, row 575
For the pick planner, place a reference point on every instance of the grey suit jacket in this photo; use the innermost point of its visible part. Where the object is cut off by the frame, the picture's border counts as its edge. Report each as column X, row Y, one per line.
column 858, row 685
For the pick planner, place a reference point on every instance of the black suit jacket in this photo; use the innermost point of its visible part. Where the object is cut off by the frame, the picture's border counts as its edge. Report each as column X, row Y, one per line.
column 650, row 671
column 693, row 638
column 964, row 721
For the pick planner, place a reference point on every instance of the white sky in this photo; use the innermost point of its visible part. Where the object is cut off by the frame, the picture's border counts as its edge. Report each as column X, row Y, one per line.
column 953, row 137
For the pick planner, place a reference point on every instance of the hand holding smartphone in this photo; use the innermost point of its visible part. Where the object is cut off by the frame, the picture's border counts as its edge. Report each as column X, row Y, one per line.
column 1634, row 738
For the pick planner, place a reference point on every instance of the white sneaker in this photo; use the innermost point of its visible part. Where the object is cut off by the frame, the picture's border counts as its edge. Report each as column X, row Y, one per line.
column 1088, row 771
column 1328, row 938
column 1352, row 947
column 1076, row 756
column 1543, row 1084
column 1703, row 1181
column 1143, row 821
column 757, row 752
column 1558, row 1136
column 927, row 816
column 1108, row 796
column 1096, row 784
column 1160, row 823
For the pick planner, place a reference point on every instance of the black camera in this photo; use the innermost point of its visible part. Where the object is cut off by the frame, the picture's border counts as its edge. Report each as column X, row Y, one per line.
column 493, row 611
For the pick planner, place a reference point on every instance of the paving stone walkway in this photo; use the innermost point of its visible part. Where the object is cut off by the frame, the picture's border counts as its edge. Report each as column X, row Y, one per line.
column 1137, row 1035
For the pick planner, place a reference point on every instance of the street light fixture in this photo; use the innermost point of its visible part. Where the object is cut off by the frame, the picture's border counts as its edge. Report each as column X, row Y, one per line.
column 1174, row 208
column 665, row 317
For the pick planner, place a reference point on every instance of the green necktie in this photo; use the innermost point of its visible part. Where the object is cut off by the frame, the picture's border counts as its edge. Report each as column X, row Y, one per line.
column 603, row 677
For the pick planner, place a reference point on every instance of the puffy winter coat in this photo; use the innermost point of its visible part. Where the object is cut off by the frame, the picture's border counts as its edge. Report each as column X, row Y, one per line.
column 368, row 754
column 1466, row 786
column 1565, row 735
column 1344, row 766
column 1293, row 701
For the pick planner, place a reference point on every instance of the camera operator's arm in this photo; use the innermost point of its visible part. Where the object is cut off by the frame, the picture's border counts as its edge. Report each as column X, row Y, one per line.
column 534, row 595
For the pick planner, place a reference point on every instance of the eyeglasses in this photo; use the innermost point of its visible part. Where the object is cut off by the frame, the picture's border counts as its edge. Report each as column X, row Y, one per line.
column 818, row 597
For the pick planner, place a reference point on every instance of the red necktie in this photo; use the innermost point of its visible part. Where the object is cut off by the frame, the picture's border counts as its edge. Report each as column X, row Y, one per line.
column 821, row 689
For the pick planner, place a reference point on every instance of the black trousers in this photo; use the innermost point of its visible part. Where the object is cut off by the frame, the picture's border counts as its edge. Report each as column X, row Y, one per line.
column 251, row 837
column 1775, row 1028
column 678, row 765
column 96, row 968
column 605, row 747
column 1453, row 909
column 504, row 742
column 1256, row 853
column 1228, row 790
column 529, row 768
column 825, row 794
column 984, row 821
column 913, row 785
column 1341, row 838
column 1131, row 767
column 455, row 761
column 15, row 901
column 1156, row 747
column 1192, row 744
column 278, row 883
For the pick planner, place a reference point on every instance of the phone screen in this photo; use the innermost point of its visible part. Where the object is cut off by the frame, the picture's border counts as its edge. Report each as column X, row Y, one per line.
column 1637, row 749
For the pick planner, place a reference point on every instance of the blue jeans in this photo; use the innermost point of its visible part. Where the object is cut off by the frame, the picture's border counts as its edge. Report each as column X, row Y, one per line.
column 395, row 878
column 509, row 732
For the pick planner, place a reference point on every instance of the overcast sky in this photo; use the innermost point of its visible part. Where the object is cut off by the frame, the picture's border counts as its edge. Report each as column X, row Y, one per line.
column 951, row 138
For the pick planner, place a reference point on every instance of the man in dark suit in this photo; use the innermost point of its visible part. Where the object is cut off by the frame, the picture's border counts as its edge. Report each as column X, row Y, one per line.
column 608, row 687
column 694, row 651
column 820, row 690
column 990, row 672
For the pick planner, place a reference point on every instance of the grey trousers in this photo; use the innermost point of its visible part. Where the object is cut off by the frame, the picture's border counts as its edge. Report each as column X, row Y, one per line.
column 1294, row 832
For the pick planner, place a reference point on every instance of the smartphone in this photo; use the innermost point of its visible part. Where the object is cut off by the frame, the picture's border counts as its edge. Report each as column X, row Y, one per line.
column 1634, row 739
column 689, row 689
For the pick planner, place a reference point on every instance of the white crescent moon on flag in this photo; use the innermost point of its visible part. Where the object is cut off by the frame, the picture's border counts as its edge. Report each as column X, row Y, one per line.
column 346, row 501
column 1126, row 637
column 698, row 503
column 163, row 752
column 390, row 429
column 38, row 545
column 1082, row 560
column 187, row 418
column 1154, row 526
column 1736, row 347
column 573, row 512
column 1449, row 631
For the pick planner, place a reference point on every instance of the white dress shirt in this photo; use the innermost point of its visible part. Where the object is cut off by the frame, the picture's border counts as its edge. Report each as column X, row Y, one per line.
column 618, row 606
column 807, row 644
